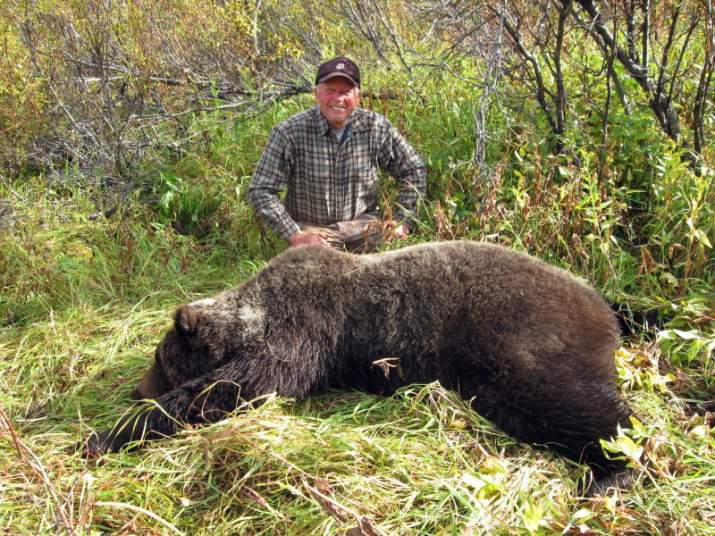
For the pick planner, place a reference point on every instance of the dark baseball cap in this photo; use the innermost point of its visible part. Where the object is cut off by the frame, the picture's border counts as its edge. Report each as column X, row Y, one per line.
column 339, row 66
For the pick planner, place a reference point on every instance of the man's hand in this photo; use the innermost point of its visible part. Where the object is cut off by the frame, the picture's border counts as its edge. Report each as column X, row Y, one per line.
column 396, row 230
column 301, row 239
column 401, row 231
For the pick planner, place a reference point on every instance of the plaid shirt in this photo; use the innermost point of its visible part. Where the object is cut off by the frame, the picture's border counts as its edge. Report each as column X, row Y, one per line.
column 328, row 181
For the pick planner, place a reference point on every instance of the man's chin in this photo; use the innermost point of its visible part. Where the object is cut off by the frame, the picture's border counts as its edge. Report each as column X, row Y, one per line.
column 338, row 122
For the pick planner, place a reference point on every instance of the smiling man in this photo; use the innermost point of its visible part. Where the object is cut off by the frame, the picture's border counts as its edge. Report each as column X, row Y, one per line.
column 327, row 160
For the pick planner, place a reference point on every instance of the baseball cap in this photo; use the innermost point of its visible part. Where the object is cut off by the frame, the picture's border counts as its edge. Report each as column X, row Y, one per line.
column 339, row 66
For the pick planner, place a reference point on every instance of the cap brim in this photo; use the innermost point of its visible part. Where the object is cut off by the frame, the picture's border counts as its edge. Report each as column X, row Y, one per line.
column 334, row 75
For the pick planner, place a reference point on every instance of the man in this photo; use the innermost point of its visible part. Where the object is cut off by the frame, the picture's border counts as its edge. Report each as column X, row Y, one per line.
column 327, row 159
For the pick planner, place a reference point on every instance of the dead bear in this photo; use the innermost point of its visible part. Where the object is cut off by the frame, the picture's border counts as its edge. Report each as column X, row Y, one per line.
column 528, row 344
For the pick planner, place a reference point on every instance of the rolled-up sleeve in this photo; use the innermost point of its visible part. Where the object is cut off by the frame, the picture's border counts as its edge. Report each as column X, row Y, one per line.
column 271, row 175
column 398, row 158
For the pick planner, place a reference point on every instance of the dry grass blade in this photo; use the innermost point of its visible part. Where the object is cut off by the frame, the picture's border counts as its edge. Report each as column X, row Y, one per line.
column 139, row 510
column 29, row 459
column 341, row 512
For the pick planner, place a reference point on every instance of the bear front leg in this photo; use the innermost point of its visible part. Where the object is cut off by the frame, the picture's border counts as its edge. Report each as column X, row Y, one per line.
column 210, row 397
column 142, row 424
column 202, row 400
column 199, row 401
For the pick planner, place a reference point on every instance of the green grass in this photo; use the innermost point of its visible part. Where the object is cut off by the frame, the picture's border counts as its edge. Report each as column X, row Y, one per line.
column 85, row 300
column 419, row 462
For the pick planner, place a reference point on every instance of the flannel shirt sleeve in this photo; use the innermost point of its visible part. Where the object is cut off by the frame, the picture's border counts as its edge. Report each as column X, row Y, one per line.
column 272, row 174
column 398, row 158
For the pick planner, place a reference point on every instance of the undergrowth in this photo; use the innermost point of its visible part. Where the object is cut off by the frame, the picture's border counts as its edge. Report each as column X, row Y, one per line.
column 87, row 292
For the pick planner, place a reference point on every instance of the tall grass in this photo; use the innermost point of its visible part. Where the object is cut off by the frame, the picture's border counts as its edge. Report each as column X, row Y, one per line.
column 85, row 299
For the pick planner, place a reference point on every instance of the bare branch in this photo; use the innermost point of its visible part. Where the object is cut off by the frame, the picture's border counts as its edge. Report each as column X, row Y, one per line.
column 538, row 78
column 659, row 88
column 491, row 78
column 659, row 103
column 705, row 79
column 645, row 32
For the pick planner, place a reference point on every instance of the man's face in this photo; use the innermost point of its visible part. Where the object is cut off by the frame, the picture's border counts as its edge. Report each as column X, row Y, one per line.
column 337, row 98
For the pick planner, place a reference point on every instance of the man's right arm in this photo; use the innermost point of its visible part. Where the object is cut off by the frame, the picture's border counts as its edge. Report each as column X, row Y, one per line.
column 273, row 173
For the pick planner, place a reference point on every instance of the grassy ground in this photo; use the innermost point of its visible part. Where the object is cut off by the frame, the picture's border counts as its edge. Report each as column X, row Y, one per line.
column 85, row 299
column 85, row 302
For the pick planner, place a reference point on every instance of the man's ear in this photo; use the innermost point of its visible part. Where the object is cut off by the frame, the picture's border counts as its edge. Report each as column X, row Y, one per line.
column 186, row 320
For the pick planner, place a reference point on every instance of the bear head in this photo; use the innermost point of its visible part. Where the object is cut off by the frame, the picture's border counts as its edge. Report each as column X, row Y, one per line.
column 204, row 335
column 176, row 345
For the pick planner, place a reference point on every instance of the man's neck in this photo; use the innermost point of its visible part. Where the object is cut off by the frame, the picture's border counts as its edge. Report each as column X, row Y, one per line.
column 342, row 133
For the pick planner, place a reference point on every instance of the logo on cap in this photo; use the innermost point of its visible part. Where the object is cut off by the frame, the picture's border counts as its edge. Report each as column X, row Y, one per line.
column 340, row 66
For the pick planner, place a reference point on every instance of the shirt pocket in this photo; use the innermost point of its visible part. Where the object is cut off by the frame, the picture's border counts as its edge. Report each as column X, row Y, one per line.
column 317, row 163
column 366, row 184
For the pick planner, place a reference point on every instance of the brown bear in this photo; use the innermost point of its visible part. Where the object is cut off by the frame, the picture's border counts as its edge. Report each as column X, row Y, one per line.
column 528, row 344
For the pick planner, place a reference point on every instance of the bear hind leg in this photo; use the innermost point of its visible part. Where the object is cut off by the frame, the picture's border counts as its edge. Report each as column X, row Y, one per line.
column 569, row 423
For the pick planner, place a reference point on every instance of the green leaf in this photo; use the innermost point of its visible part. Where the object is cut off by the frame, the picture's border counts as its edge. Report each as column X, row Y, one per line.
column 629, row 447
column 532, row 516
column 703, row 238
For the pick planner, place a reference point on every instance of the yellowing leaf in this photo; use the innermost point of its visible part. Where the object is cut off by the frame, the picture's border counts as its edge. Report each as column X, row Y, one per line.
column 629, row 447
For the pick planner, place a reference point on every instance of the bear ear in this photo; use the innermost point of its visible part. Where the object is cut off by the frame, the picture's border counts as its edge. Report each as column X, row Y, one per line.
column 186, row 320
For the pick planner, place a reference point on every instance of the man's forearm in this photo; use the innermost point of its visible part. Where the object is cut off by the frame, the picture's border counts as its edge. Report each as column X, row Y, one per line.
column 413, row 188
column 271, row 211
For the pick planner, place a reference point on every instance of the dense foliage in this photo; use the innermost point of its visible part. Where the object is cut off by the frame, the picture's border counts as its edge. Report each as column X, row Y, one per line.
column 129, row 134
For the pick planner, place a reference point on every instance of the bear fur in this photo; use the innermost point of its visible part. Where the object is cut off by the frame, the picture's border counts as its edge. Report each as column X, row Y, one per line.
column 528, row 344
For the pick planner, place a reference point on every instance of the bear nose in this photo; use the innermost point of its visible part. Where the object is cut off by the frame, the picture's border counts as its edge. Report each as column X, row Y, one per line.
column 137, row 394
